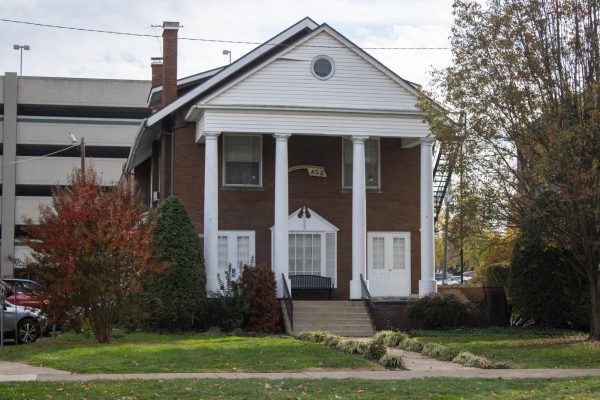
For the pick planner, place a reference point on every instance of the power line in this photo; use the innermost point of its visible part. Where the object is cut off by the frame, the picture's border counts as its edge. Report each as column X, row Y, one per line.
column 209, row 40
column 45, row 155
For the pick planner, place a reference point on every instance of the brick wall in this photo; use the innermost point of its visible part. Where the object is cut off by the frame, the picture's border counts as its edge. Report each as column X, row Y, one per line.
column 395, row 208
column 391, row 315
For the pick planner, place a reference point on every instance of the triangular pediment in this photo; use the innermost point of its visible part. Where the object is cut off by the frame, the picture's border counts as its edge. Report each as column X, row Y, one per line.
column 288, row 80
column 301, row 221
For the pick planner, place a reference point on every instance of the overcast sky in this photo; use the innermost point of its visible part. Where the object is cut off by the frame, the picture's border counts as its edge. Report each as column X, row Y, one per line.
column 58, row 52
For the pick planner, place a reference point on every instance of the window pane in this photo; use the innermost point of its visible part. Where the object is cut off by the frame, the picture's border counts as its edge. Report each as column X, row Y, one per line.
column 222, row 256
column 243, row 251
column 378, row 253
column 316, row 266
column 399, row 249
column 306, row 250
column 371, row 163
column 242, row 160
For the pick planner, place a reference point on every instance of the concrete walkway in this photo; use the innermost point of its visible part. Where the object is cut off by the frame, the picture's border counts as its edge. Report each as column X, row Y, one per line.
column 13, row 372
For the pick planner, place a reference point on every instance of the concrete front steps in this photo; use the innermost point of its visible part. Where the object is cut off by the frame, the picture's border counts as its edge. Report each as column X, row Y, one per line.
column 342, row 318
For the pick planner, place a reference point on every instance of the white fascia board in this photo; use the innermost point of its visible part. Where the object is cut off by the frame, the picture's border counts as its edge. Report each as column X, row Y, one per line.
column 196, row 110
column 307, row 109
column 130, row 164
column 236, row 66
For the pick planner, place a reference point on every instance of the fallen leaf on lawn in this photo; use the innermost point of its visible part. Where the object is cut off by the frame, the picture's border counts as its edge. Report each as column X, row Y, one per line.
column 267, row 386
column 60, row 389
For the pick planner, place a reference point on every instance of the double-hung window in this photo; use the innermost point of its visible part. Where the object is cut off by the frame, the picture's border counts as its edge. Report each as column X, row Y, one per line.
column 235, row 248
column 372, row 163
column 242, row 160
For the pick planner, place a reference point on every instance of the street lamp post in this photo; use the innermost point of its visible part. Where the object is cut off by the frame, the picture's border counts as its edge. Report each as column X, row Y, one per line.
column 227, row 52
column 21, row 47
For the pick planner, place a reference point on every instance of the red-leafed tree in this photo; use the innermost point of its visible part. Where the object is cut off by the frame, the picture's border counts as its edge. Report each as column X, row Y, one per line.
column 91, row 248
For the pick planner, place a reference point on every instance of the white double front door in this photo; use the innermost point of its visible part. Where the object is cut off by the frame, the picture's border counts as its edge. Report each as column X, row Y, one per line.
column 388, row 263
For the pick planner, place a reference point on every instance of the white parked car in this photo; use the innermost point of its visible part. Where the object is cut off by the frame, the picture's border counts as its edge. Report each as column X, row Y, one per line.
column 29, row 322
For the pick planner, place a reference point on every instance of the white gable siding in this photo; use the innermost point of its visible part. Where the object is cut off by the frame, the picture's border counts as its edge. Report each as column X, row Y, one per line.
column 288, row 81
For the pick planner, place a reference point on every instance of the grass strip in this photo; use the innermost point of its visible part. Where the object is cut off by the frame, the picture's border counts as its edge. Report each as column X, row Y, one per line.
column 520, row 347
column 433, row 388
column 144, row 352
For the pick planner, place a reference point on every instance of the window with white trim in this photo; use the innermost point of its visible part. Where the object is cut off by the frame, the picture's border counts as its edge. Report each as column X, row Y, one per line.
column 235, row 248
column 242, row 160
column 305, row 254
column 312, row 245
column 372, row 164
column 313, row 254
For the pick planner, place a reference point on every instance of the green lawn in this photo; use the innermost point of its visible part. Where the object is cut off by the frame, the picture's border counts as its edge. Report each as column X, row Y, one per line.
column 438, row 388
column 521, row 347
column 143, row 352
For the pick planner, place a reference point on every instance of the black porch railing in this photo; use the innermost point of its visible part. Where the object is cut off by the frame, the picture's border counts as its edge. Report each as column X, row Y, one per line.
column 366, row 297
column 287, row 299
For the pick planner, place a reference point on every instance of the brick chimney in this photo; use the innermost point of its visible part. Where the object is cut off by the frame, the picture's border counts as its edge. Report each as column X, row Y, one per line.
column 157, row 71
column 169, row 68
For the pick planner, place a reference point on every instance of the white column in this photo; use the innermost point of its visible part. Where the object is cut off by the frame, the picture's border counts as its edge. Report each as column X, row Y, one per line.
column 280, row 230
column 359, row 216
column 211, row 209
column 427, row 283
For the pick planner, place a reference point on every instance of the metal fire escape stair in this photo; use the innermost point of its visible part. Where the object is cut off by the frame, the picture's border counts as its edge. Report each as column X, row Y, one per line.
column 442, row 173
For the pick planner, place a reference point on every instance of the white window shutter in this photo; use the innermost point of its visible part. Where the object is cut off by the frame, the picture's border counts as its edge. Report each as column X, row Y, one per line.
column 330, row 255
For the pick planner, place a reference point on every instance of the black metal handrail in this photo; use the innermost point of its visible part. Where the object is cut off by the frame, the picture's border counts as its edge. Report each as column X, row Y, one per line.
column 287, row 299
column 366, row 296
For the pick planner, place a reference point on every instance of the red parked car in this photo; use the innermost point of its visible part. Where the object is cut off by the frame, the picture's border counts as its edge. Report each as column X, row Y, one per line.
column 21, row 295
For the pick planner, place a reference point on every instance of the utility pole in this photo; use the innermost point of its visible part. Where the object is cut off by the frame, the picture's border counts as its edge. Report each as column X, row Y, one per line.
column 82, row 150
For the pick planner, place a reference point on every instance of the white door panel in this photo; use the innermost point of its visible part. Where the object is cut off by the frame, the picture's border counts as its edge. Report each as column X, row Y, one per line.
column 388, row 263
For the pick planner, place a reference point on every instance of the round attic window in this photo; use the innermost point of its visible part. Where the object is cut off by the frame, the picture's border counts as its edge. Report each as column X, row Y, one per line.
column 322, row 67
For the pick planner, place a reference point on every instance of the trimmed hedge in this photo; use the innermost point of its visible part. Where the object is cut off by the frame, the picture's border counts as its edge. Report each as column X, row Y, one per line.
column 443, row 310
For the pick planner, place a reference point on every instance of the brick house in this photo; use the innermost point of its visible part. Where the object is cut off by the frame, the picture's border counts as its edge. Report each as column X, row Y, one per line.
column 306, row 154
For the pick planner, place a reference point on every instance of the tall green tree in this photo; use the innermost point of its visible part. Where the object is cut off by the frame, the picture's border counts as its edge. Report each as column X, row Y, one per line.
column 526, row 74
column 175, row 298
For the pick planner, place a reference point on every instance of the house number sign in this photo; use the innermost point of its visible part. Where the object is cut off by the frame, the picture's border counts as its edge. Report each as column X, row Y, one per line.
column 313, row 170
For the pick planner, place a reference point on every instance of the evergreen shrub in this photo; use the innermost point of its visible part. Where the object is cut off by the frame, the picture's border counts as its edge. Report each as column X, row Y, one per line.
column 175, row 298
column 443, row 310
column 543, row 289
